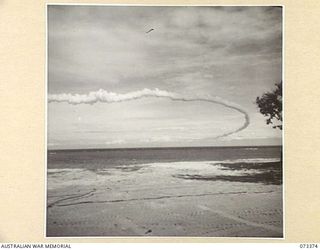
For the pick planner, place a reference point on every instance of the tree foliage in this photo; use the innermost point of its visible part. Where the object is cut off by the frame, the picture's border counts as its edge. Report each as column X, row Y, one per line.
column 270, row 105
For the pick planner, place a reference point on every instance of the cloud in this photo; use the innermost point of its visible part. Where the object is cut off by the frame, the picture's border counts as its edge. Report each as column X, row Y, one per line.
column 116, row 142
column 110, row 97
column 232, row 52
column 97, row 45
column 163, row 138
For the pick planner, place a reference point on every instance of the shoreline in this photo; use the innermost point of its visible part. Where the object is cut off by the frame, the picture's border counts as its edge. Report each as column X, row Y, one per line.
column 153, row 200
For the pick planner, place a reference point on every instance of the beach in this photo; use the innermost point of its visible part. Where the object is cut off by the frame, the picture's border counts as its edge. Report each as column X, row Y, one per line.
column 226, row 198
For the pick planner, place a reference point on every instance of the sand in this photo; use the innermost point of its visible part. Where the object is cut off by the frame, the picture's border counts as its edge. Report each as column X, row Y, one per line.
column 158, row 200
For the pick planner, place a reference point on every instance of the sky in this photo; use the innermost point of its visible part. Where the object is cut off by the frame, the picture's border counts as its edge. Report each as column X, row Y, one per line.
column 233, row 53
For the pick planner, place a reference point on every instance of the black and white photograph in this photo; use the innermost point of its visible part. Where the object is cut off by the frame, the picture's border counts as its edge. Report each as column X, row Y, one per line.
column 164, row 121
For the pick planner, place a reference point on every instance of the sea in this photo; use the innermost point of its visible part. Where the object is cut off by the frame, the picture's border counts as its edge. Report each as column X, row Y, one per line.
column 104, row 158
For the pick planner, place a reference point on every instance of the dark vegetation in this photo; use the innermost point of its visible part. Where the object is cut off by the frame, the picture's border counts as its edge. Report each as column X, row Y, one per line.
column 270, row 105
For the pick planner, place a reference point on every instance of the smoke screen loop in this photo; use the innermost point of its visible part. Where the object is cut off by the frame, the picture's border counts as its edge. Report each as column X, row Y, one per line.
column 111, row 97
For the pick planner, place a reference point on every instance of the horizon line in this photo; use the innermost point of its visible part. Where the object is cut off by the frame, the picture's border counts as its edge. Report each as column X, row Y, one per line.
column 177, row 147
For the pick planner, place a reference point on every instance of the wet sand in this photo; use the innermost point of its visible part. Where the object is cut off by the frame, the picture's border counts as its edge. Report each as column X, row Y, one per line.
column 205, row 199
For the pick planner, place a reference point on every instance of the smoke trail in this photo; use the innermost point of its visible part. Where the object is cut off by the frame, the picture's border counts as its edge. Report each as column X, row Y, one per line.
column 110, row 97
